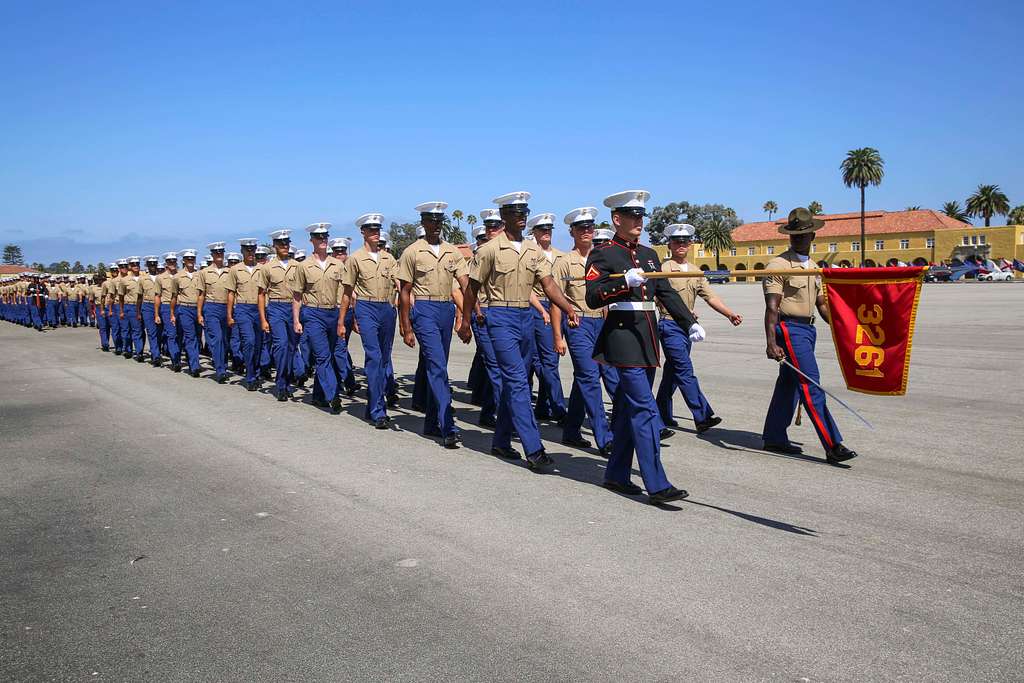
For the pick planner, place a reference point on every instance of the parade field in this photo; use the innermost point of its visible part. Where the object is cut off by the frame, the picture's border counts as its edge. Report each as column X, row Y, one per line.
column 161, row 527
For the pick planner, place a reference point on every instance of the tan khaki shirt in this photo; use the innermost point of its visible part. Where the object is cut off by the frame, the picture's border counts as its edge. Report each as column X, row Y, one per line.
column 130, row 288
column 371, row 280
column 150, row 287
column 573, row 265
column 799, row 293
column 109, row 290
column 507, row 275
column 552, row 259
column 320, row 286
column 187, row 287
column 244, row 283
column 214, row 284
column 168, row 287
column 97, row 294
column 274, row 278
column 688, row 288
column 432, row 277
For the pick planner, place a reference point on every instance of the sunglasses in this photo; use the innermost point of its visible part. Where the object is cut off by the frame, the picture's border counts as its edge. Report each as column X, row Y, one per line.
column 516, row 210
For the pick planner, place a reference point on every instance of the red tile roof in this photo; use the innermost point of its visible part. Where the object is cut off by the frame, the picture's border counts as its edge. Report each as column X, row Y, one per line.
column 15, row 269
column 875, row 223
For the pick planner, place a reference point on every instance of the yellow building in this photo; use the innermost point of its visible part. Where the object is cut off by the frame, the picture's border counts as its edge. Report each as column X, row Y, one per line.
column 921, row 237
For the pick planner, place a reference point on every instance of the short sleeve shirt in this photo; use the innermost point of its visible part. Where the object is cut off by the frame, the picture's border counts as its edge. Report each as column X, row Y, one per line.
column 244, row 283
column 553, row 257
column 430, row 275
column 371, row 279
column 569, row 272
column 274, row 278
column 187, row 287
column 688, row 288
column 130, row 288
column 168, row 287
column 319, row 284
column 213, row 284
column 97, row 292
column 508, row 275
column 150, row 287
column 799, row 293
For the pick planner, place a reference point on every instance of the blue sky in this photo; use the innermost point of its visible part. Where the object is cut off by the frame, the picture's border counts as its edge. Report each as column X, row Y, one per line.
column 131, row 128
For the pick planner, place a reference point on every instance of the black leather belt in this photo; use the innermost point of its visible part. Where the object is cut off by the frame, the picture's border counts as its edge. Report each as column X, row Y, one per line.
column 805, row 319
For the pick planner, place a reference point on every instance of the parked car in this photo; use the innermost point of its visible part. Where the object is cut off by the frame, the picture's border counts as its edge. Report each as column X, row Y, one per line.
column 996, row 276
column 717, row 277
column 938, row 274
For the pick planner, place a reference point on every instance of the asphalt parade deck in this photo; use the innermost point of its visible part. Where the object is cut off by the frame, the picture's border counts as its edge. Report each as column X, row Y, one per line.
column 160, row 527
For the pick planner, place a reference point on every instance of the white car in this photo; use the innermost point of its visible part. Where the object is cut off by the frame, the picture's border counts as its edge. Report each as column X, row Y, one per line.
column 997, row 276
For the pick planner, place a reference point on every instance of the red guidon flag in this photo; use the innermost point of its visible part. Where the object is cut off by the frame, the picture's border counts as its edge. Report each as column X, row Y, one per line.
column 873, row 312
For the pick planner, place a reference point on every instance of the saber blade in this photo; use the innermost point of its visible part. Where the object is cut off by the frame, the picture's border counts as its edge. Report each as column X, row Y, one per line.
column 828, row 393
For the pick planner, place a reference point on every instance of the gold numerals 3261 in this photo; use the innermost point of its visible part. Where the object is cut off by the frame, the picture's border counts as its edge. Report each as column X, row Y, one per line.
column 870, row 336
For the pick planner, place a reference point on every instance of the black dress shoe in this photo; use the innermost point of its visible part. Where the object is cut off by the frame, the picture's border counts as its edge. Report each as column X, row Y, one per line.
column 451, row 441
column 665, row 433
column 667, row 495
column 539, row 460
column 393, row 401
column 628, row 488
column 839, row 453
column 266, row 374
column 282, row 396
column 488, row 421
column 578, row 442
column 351, row 391
column 156, row 363
column 712, row 421
column 221, row 379
column 606, row 450
column 105, row 349
column 383, row 423
column 252, row 386
column 507, row 453
column 319, row 403
column 194, row 373
column 336, row 406
column 140, row 359
column 784, row 448
column 671, row 423
column 176, row 368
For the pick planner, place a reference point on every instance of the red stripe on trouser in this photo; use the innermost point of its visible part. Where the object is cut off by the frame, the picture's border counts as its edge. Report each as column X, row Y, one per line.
column 803, row 386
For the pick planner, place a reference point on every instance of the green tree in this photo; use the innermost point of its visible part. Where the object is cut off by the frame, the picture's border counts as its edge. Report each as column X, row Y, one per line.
column 452, row 234
column 955, row 211
column 101, row 267
column 401, row 235
column 716, row 235
column 603, row 225
column 12, row 254
column 1016, row 216
column 862, row 167
column 38, row 266
column 987, row 201
column 77, row 268
column 471, row 219
column 815, row 208
column 771, row 208
column 90, row 268
column 697, row 215
column 915, row 207
column 457, row 216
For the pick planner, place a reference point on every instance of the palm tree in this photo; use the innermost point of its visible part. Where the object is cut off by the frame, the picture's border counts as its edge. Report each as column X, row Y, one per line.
column 986, row 201
column 862, row 167
column 716, row 235
column 954, row 211
column 815, row 208
column 471, row 219
column 915, row 207
column 1016, row 217
column 770, row 208
column 457, row 215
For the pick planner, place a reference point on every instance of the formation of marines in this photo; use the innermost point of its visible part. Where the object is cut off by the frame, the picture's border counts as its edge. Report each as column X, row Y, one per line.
column 288, row 317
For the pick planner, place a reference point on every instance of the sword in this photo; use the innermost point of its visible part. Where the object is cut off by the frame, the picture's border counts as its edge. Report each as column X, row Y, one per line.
column 783, row 361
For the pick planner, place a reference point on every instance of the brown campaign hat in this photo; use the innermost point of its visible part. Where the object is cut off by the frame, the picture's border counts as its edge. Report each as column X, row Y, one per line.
column 801, row 221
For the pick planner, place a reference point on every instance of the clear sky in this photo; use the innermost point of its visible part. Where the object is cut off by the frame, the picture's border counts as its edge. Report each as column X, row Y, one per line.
column 134, row 128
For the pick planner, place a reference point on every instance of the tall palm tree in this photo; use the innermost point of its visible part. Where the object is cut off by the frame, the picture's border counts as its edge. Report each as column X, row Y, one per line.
column 986, row 201
column 716, row 235
column 815, row 208
column 862, row 167
column 457, row 215
column 914, row 207
column 771, row 208
column 956, row 212
column 1016, row 216
column 471, row 219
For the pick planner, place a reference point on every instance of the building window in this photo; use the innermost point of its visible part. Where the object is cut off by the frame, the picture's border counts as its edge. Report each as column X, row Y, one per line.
column 966, row 241
column 904, row 244
column 833, row 246
column 974, row 239
column 751, row 251
column 879, row 245
column 854, row 246
column 814, row 247
column 981, row 239
column 700, row 253
column 732, row 252
column 769, row 250
column 930, row 242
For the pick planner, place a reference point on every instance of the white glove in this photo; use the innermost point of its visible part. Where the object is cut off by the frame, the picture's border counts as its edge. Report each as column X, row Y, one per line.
column 697, row 333
column 635, row 277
